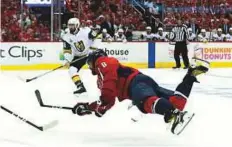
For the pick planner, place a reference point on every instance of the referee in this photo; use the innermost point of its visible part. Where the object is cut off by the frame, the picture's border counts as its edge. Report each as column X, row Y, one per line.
column 180, row 37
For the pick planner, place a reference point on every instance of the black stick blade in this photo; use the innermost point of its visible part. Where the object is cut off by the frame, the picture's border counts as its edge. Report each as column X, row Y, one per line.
column 38, row 96
column 29, row 80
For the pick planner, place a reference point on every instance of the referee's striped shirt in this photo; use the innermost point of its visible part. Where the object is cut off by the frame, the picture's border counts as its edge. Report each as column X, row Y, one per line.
column 181, row 34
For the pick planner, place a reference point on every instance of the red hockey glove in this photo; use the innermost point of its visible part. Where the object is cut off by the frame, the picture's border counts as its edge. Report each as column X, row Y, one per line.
column 98, row 108
column 100, row 111
column 81, row 109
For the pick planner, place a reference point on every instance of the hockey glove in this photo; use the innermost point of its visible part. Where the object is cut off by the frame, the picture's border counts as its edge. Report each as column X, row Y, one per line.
column 81, row 109
column 99, row 109
column 100, row 112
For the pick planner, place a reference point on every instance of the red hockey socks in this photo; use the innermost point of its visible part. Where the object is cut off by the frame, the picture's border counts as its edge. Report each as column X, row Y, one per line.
column 178, row 101
column 157, row 105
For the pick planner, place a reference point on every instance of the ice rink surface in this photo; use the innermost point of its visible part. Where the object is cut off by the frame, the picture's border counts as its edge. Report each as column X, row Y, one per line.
column 211, row 100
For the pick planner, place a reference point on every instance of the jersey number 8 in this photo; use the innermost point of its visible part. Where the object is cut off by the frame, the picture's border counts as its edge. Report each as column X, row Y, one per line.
column 79, row 46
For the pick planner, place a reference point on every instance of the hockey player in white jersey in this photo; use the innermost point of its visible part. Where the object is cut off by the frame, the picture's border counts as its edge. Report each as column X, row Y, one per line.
column 203, row 37
column 119, row 36
column 229, row 35
column 148, row 35
column 160, row 35
column 219, row 36
column 77, row 43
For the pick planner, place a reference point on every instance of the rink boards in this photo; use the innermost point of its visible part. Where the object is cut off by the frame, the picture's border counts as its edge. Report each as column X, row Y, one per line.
column 48, row 55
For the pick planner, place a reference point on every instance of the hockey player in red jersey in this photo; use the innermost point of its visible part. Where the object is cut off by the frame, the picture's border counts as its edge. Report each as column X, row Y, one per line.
column 115, row 80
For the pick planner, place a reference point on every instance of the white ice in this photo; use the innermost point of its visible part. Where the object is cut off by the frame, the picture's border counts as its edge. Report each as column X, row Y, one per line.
column 211, row 100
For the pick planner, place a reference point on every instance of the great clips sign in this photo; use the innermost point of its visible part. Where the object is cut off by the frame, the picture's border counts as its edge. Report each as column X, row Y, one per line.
column 19, row 53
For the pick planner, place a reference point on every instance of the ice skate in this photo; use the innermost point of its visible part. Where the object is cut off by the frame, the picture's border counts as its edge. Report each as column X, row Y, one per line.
column 198, row 67
column 80, row 90
column 179, row 120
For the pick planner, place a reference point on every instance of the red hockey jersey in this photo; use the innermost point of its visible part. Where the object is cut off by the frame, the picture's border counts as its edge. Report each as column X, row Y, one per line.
column 113, row 80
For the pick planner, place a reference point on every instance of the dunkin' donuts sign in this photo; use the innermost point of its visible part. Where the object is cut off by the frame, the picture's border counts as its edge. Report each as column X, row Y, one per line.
column 214, row 53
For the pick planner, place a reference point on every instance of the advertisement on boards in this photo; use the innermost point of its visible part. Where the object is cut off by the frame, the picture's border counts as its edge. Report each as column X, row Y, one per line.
column 30, row 55
column 126, row 52
column 46, row 55
column 218, row 54
column 221, row 52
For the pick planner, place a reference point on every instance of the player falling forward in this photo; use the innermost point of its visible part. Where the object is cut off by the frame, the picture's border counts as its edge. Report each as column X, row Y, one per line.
column 115, row 80
column 77, row 44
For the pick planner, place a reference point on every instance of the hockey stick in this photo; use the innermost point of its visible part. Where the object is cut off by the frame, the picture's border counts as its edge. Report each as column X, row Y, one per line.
column 36, row 77
column 39, row 98
column 41, row 128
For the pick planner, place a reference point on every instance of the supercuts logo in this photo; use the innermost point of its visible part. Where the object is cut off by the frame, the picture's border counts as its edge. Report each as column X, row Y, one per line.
column 22, row 52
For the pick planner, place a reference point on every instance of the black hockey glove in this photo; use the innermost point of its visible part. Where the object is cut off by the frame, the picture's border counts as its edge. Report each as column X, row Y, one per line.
column 81, row 109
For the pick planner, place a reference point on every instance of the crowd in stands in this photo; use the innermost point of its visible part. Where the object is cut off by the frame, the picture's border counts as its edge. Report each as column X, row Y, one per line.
column 209, row 14
column 21, row 26
column 121, row 17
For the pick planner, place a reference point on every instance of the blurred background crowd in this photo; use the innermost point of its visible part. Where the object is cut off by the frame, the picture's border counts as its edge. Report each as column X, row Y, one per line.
column 118, row 20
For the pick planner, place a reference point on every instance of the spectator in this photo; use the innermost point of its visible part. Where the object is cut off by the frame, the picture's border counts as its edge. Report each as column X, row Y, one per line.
column 119, row 36
column 151, row 6
column 195, row 28
column 192, row 36
column 225, row 26
column 83, row 24
column 113, row 7
column 129, row 34
column 148, row 35
column 229, row 35
column 219, row 36
column 142, row 26
column 36, row 36
column 203, row 37
column 24, row 21
column 89, row 23
column 108, row 25
column 147, row 17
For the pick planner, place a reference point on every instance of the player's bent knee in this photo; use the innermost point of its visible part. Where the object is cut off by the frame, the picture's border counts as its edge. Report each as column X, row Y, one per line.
column 157, row 105
column 149, row 104
column 72, row 71
column 178, row 102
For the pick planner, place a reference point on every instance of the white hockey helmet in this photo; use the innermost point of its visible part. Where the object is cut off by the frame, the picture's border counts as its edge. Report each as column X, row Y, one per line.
column 120, row 31
column 219, row 30
column 75, row 22
column 203, row 31
column 230, row 30
column 148, row 28
column 160, row 29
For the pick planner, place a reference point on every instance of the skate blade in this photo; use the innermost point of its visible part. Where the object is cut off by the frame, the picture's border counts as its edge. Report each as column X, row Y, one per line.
column 185, row 124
